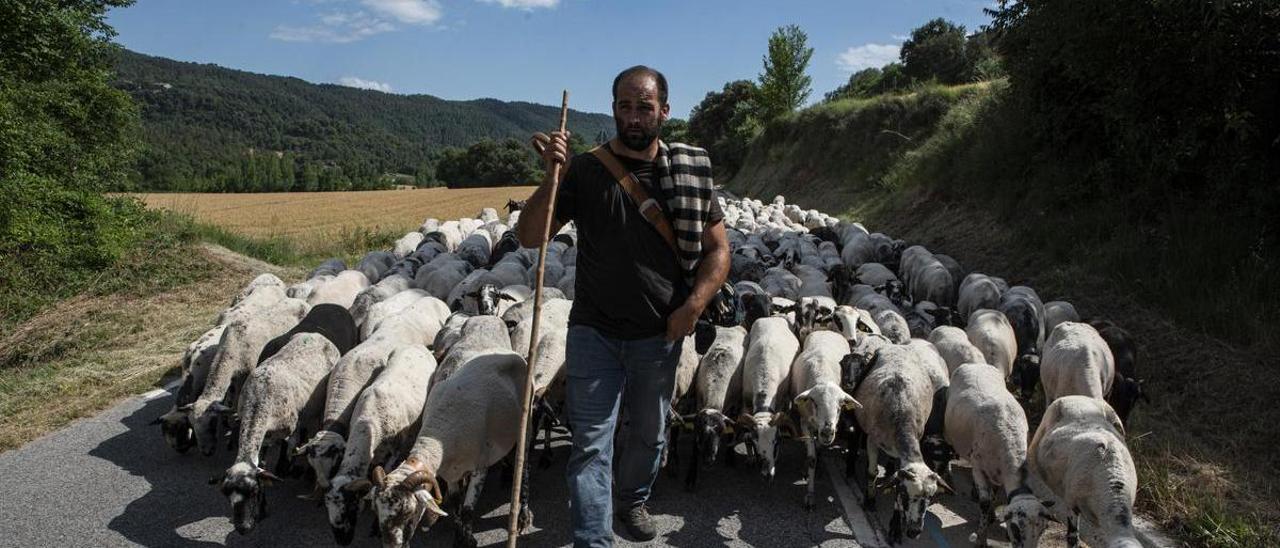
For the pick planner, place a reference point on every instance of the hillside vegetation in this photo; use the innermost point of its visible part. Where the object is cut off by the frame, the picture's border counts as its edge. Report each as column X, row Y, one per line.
column 207, row 127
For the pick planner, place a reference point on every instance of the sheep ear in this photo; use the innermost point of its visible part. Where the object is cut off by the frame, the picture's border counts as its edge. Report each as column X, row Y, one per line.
column 220, row 408
column 1002, row 512
column 186, row 408
column 746, row 420
column 847, row 403
column 804, row 402
column 264, row 474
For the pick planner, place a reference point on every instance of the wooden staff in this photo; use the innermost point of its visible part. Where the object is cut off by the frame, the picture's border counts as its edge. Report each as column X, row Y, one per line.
column 513, row 519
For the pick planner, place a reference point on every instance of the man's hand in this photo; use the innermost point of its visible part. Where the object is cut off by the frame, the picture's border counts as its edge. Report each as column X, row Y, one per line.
column 680, row 323
column 553, row 149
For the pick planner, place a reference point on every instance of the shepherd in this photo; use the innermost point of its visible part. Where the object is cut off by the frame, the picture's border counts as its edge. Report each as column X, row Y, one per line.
column 652, row 254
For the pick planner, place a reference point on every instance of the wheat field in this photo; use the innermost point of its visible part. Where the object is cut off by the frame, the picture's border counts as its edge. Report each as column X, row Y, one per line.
column 293, row 214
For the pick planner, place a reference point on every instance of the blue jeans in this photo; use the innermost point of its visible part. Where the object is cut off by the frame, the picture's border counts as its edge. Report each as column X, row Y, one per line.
column 604, row 374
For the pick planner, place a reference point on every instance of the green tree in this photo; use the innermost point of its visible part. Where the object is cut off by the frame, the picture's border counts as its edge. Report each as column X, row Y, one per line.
column 784, row 86
column 724, row 123
column 936, row 50
column 676, row 130
column 860, row 84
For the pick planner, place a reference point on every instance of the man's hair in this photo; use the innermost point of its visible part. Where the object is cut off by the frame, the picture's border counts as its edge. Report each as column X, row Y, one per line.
column 641, row 69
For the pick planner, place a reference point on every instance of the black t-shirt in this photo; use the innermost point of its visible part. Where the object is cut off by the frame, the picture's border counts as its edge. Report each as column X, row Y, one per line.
column 627, row 280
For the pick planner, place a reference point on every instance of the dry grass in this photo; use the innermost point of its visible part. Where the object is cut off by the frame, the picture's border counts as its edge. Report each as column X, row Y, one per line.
column 294, row 214
column 94, row 350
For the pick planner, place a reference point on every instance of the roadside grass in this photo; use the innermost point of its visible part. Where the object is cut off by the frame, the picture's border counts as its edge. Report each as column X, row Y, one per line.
column 970, row 185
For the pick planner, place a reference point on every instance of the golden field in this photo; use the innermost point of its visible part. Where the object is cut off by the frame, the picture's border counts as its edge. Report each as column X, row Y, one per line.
column 292, row 214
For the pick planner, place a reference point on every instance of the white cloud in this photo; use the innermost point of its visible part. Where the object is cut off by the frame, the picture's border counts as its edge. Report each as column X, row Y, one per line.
column 867, row 56
column 527, row 5
column 354, row 82
column 413, row 12
column 341, row 27
column 900, row 37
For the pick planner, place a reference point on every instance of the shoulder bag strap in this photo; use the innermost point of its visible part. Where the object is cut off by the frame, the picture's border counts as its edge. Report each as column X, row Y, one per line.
column 649, row 207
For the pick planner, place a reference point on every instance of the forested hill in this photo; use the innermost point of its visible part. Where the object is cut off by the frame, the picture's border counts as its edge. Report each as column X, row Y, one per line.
column 207, row 127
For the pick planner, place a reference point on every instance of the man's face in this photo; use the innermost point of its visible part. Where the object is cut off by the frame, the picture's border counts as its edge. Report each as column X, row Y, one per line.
column 637, row 111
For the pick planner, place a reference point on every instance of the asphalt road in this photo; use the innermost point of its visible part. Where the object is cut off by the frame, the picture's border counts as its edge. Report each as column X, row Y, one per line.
column 109, row 480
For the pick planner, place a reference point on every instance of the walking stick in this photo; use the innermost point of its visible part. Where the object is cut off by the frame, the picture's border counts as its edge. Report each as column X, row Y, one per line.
column 513, row 520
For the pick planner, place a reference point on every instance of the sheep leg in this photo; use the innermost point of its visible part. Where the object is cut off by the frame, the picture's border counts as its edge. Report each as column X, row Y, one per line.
column 873, row 471
column 985, row 506
column 1073, row 530
column 283, row 466
column 548, row 422
column 811, row 447
column 464, row 536
column 730, row 451
column 671, row 451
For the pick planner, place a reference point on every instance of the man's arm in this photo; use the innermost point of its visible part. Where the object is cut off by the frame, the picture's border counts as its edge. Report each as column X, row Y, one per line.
column 554, row 149
column 712, row 271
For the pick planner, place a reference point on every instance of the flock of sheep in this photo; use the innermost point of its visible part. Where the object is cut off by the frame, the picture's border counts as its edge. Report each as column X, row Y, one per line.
column 397, row 383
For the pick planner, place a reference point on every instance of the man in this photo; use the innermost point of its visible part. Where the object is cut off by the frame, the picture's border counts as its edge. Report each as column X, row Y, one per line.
column 637, row 296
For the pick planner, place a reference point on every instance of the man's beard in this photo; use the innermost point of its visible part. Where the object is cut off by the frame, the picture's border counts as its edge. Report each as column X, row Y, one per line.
column 637, row 141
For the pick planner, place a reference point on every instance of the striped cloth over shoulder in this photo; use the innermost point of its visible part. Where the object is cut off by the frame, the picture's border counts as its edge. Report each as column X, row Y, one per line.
column 684, row 175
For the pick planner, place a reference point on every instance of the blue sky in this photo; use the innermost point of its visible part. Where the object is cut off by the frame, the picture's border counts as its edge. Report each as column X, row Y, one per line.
column 526, row 50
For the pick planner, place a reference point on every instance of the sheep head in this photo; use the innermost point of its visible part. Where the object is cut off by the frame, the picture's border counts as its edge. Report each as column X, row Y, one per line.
column 343, row 502
column 244, row 486
column 324, row 454
column 710, row 425
column 761, row 434
column 205, row 419
column 820, row 410
column 403, row 499
column 1026, row 517
column 914, row 487
column 176, row 428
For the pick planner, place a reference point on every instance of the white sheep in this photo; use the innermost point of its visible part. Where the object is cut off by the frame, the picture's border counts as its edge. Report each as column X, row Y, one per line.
column 414, row 325
column 175, row 425
column 820, row 400
column 990, row 331
column 771, row 347
column 977, row 291
column 479, row 335
column 471, row 422
column 718, row 386
column 953, row 345
column 407, row 244
column 280, row 403
column 986, row 426
column 1080, row 454
column 237, row 355
column 1056, row 312
column 897, row 399
column 1076, row 361
column 384, row 425
column 341, row 290
column 892, row 325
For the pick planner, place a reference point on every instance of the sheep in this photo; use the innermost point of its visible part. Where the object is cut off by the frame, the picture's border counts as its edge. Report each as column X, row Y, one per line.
column 977, row 291
column 815, row 379
column 874, row 274
column 471, row 422
column 1127, row 388
column 238, row 350
column 1056, row 312
column 1026, row 314
column 416, row 324
column 475, row 249
column 987, row 427
column 933, row 444
column 281, row 401
column 990, row 331
column 851, row 321
column 779, row 282
column 897, row 398
column 718, row 384
column 262, row 280
column 954, row 347
column 440, row 276
column 175, row 425
column 386, row 288
column 1076, row 361
column 686, row 367
column 893, row 325
column 384, row 423
column 331, row 266
column 926, row 277
column 379, row 312
column 251, row 300
column 329, row 320
column 375, row 263
column 479, row 335
column 341, row 290
column 1079, row 453
column 407, row 244
column 771, row 347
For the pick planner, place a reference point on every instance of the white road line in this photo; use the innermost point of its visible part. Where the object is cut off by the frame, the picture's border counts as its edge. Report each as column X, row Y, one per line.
column 161, row 392
column 850, row 497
